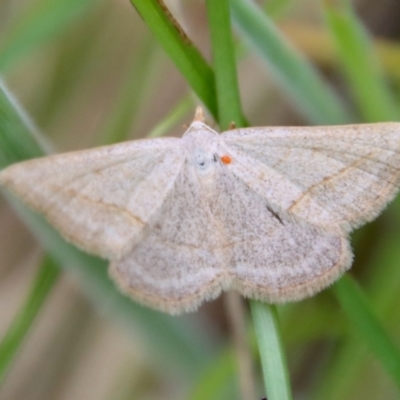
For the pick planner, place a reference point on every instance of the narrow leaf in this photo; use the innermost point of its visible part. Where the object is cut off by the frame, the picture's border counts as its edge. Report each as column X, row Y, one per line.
column 180, row 49
column 273, row 361
column 224, row 63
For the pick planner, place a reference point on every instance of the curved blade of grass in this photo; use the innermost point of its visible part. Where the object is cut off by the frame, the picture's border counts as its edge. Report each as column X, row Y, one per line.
column 276, row 376
column 356, row 306
column 297, row 77
column 170, row 337
column 361, row 67
column 182, row 52
column 44, row 20
column 16, row 333
column 229, row 105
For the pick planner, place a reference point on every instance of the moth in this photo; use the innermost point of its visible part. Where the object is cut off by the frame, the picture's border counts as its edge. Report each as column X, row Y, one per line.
column 265, row 211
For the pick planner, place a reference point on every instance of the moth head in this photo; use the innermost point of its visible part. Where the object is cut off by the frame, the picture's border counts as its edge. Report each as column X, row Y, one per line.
column 204, row 148
column 200, row 143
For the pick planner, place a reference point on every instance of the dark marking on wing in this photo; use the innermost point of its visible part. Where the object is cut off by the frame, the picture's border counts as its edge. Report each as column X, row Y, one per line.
column 275, row 214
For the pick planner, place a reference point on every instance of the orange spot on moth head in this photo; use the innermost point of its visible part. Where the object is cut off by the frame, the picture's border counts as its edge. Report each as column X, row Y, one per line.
column 226, row 159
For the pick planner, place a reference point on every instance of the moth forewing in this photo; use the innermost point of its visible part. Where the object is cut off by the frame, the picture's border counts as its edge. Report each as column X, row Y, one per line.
column 264, row 211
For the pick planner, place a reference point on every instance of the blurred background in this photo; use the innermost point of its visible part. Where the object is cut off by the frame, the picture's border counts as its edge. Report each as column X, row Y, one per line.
column 91, row 72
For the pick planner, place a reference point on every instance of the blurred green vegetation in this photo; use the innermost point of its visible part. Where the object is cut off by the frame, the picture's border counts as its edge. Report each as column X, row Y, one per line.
column 90, row 73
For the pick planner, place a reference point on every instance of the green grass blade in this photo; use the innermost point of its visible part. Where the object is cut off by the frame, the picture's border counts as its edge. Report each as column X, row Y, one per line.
column 12, row 341
column 229, row 105
column 361, row 67
column 170, row 337
column 275, row 372
column 311, row 94
column 356, row 306
column 44, row 20
column 19, row 138
column 182, row 52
